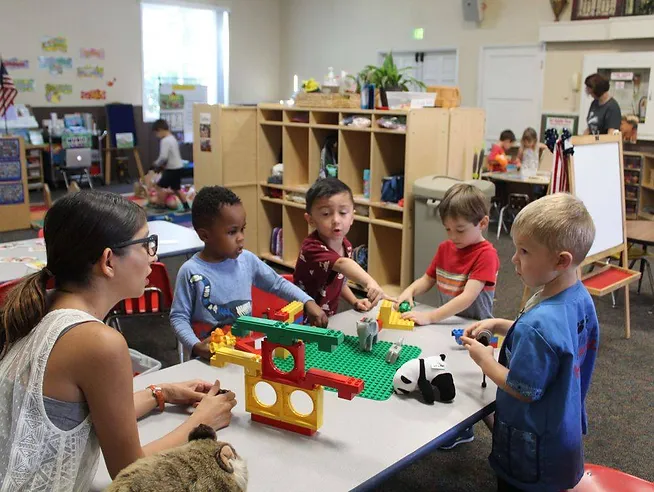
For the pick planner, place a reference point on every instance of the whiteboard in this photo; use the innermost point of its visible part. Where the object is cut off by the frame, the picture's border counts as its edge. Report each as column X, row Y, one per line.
column 597, row 182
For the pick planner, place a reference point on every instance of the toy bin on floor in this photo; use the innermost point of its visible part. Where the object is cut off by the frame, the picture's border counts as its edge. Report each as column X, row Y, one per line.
column 142, row 364
column 429, row 231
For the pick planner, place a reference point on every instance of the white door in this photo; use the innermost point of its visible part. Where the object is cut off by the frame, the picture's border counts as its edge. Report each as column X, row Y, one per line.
column 511, row 88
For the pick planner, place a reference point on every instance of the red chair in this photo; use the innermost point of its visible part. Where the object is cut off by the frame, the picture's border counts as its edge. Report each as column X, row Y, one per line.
column 261, row 300
column 601, row 478
column 40, row 233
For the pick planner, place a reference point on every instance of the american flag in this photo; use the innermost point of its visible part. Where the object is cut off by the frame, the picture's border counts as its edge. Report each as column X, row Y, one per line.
column 8, row 91
column 560, row 169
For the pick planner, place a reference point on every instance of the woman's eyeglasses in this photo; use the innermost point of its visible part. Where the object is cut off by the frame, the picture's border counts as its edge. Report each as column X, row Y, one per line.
column 150, row 243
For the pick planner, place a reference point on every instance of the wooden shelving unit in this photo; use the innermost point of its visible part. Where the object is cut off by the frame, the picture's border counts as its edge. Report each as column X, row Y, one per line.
column 646, row 195
column 295, row 136
column 34, row 160
column 232, row 158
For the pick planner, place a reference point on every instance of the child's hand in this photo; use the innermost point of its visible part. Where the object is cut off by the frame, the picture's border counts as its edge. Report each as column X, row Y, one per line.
column 404, row 296
column 477, row 351
column 419, row 317
column 362, row 305
column 315, row 315
column 472, row 330
column 201, row 349
column 374, row 293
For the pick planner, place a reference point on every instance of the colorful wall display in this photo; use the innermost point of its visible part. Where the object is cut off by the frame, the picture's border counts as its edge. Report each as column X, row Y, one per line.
column 53, row 92
column 90, row 72
column 92, row 53
column 54, row 43
column 16, row 63
column 24, row 85
column 56, row 65
column 95, row 94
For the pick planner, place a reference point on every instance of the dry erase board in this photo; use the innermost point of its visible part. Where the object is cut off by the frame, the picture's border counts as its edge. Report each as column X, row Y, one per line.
column 596, row 171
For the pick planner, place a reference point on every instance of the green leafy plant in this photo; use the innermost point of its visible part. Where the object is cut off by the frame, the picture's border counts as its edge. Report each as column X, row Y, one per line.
column 388, row 76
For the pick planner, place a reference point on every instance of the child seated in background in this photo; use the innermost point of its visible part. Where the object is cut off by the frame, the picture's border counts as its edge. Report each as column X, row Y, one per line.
column 465, row 267
column 547, row 359
column 214, row 287
column 325, row 260
column 497, row 159
column 530, row 151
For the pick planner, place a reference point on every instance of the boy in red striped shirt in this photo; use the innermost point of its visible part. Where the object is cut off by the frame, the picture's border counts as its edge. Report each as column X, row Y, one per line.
column 465, row 266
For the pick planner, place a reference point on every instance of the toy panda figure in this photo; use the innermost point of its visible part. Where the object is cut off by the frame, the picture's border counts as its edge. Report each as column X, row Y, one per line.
column 428, row 375
column 202, row 465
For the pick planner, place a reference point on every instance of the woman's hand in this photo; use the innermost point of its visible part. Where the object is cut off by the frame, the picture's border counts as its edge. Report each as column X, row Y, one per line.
column 186, row 393
column 215, row 409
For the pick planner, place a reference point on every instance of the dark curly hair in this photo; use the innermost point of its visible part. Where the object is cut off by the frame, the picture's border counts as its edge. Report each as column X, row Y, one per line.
column 207, row 205
column 326, row 188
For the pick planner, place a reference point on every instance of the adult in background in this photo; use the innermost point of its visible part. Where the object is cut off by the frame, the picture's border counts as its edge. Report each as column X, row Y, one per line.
column 604, row 115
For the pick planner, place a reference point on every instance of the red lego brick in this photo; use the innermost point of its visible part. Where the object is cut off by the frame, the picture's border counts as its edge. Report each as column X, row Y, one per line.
column 246, row 344
column 282, row 425
column 295, row 376
column 279, row 316
column 347, row 386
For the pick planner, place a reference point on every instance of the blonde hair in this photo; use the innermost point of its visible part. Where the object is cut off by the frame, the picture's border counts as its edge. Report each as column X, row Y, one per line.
column 464, row 201
column 560, row 222
column 632, row 119
column 529, row 135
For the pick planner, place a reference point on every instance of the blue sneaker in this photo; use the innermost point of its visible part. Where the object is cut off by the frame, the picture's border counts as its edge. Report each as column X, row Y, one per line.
column 467, row 435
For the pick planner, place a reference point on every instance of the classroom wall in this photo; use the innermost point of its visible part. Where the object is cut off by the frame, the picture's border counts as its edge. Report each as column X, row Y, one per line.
column 115, row 26
column 348, row 34
column 564, row 59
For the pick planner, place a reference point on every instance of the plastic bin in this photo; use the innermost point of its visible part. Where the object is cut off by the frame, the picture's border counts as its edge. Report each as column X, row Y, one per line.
column 142, row 364
column 429, row 231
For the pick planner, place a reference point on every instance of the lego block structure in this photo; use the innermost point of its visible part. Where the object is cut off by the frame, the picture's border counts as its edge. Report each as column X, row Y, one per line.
column 261, row 368
column 390, row 319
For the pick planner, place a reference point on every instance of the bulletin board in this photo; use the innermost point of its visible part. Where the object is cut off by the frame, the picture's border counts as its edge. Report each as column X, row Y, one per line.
column 14, row 197
column 176, row 107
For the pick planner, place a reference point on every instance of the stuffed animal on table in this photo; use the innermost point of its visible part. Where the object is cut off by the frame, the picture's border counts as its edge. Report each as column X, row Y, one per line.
column 429, row 376
column 202, row 465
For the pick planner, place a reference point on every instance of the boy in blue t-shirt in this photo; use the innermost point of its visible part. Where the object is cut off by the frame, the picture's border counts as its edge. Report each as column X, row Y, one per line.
column 547, row 359
column 214, row 287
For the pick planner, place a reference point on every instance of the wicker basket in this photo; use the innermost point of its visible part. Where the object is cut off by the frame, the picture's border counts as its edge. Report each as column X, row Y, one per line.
column 446, row 97
column 319, row 100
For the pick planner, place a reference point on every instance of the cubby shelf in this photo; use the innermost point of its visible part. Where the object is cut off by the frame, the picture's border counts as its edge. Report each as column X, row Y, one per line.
column 436, row 141
column 639, row 166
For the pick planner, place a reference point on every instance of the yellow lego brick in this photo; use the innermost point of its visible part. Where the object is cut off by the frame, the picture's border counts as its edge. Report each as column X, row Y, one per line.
column 225, row 355
column 293, row 309
column 392, row 319
column 252, row 403
column 282, row 409
column 281, row 353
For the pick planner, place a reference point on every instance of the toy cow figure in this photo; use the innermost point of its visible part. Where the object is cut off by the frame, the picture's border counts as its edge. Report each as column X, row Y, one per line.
column 368, row 331
column 429, row 375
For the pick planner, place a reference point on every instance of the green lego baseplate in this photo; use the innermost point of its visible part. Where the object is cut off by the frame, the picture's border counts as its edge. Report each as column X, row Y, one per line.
column 349, row 360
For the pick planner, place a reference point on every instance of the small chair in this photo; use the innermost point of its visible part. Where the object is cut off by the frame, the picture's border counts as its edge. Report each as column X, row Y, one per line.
column 517, row 201
column 601, row 478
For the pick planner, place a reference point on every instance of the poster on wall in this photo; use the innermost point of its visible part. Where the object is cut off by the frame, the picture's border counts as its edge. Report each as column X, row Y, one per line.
column 9, row 149
column 53, row 92
column 205, row 132
column 54, row 43
column 95, row 94
column 11, row 193
column 16, row 63
column 55, row 65
column 90, row 72
column 558, row 122
column 92, row 53
column 24, row 85
column 191, row 94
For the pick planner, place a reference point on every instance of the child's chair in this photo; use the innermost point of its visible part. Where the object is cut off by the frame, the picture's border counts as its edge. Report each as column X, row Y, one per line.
column 517, row 201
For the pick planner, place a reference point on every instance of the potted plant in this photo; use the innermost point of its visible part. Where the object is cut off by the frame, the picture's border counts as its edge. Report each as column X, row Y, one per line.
column 387, row 77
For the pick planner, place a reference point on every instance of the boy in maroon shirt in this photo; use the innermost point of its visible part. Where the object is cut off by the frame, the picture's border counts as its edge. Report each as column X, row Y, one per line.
column 325, row 260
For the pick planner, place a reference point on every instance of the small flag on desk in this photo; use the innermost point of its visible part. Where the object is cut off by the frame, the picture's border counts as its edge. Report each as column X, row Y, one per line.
column 8, row 90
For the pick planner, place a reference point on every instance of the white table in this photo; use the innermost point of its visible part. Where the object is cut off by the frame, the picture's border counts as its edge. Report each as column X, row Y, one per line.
column 541, row 178
column 173, row 240
column 361, row 443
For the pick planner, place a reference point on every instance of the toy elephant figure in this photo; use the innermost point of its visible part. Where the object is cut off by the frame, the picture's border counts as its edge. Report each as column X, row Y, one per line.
column 368, row 330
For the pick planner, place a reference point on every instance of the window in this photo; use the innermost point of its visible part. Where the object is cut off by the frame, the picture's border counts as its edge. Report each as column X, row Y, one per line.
column 183, row 45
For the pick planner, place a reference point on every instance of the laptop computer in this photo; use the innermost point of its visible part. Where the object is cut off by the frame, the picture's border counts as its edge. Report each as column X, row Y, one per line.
column 78, row 158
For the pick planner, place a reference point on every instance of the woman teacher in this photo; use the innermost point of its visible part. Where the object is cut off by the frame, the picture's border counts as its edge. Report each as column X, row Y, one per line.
column 604, row 115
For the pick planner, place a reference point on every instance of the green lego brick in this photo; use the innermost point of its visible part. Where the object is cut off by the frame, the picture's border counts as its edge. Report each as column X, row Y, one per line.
column 287, row 333
column 348, row 359
column 404, row 307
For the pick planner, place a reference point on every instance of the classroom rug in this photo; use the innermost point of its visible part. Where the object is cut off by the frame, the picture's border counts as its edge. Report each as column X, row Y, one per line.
column 349, row 360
